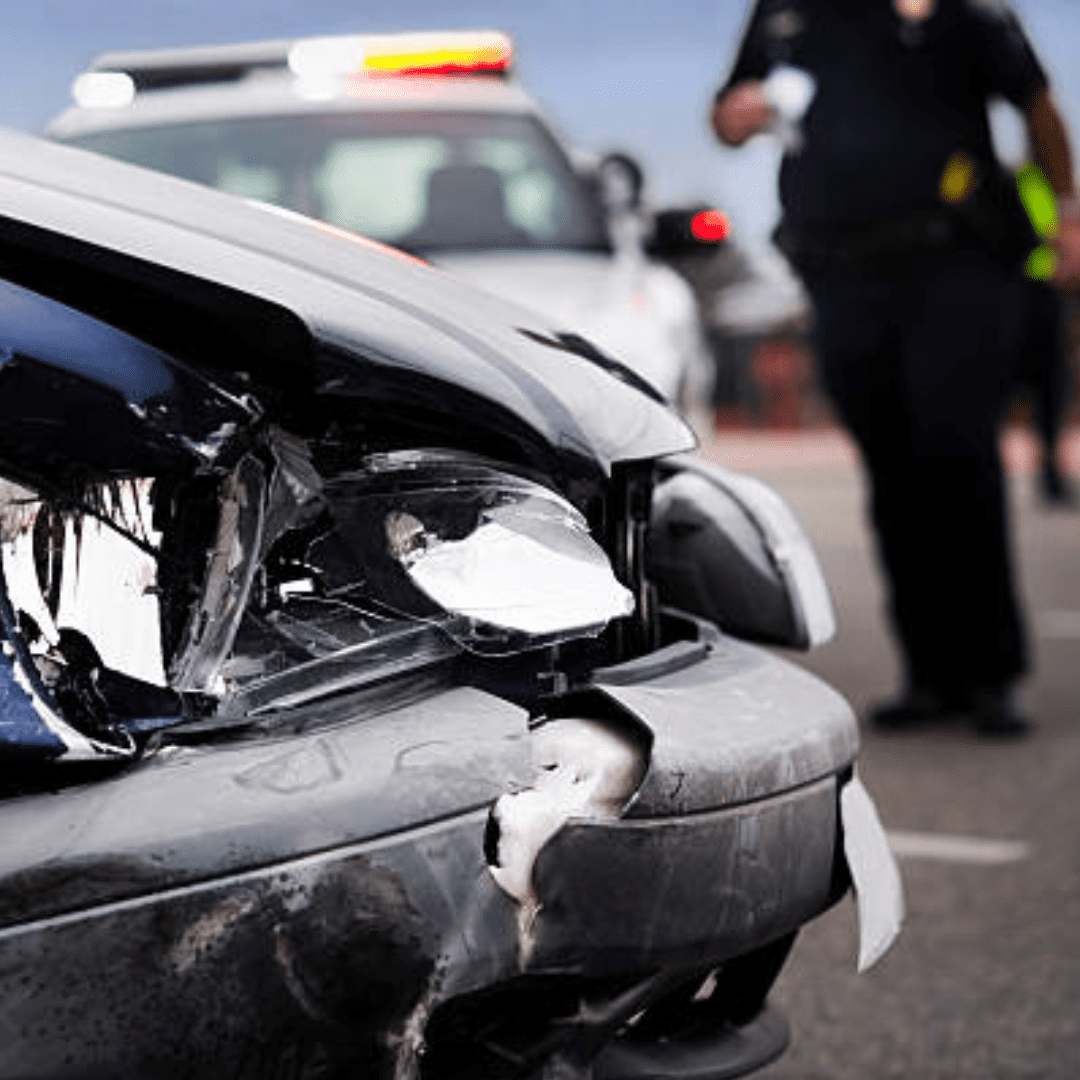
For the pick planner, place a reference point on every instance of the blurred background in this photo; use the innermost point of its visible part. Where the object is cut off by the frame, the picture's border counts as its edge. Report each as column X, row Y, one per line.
column 613, row 75
column 636, row 76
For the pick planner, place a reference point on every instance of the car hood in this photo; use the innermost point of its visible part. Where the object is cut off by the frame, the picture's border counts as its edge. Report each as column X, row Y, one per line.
column 635, row 309
column 268, row 290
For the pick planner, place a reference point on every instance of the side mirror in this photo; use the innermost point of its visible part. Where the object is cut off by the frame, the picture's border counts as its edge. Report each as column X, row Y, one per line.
column 726, row 547
column 695, row 231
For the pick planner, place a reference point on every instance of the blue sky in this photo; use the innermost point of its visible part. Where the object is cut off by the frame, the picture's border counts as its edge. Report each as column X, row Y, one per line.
column 613, row 74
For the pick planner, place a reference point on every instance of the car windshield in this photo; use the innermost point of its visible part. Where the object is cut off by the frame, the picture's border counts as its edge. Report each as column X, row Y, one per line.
column 425, row 182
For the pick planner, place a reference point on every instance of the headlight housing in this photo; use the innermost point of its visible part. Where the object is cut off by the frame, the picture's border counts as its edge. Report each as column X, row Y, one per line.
column 499, row 562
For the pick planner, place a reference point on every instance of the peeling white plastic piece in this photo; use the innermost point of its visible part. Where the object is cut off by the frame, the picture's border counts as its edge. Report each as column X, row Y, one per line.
column 879, row 896
column 587, row 770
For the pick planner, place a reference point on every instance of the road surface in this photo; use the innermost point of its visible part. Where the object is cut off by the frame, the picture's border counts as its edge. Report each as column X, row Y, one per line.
column 984, row 982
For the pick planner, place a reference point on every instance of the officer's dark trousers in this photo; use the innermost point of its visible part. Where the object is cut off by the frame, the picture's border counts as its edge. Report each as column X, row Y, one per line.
column 918, row 361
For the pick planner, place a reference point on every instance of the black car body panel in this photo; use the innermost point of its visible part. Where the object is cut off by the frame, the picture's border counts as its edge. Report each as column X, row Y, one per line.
column 185, row 871
column 694, row 907
column 147, row 411
column 200, row 812
column 435, row 752
column 723, row 546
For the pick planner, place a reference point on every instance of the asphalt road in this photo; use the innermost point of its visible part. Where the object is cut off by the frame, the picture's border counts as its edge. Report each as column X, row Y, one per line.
column 984, row 982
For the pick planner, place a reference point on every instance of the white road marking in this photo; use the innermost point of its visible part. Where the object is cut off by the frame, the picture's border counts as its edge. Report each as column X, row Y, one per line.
column 970, row 850
column 1062, row 625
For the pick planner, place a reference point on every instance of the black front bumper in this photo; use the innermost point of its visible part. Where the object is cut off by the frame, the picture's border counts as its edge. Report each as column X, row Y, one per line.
column 257, row 923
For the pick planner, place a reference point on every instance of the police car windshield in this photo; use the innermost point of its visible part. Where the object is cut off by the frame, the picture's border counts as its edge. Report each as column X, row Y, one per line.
column 426, row 182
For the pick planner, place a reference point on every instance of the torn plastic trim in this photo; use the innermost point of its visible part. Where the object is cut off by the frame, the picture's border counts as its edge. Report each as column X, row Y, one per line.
column 30, row 724
column 587, row 769
column 875, row 876
column 233, row 561
column 32, row 728
column 296, row 487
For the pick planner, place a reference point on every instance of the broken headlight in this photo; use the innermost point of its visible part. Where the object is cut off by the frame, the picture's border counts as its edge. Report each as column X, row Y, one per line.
column 499, row 562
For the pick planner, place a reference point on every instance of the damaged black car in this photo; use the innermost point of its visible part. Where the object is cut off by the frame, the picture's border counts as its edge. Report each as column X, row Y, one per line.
column 377, row 694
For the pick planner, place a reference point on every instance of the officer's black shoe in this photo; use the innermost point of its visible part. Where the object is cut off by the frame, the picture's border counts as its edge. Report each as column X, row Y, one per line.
column 913, row 707
column 993, row 711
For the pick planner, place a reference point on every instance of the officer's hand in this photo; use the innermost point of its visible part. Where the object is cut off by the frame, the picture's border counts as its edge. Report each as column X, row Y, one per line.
column 1067, row 245
column 741, row 112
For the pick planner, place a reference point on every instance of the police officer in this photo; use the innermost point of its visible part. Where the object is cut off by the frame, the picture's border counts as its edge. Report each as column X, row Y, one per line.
column 910, row 236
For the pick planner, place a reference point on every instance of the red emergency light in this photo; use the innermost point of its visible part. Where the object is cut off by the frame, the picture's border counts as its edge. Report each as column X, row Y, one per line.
column 710, row 226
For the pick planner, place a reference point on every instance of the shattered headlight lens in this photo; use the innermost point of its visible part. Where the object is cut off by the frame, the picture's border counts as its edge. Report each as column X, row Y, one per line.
column 500, row 562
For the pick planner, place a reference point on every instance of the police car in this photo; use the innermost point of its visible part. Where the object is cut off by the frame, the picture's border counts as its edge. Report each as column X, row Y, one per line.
column 425, row 142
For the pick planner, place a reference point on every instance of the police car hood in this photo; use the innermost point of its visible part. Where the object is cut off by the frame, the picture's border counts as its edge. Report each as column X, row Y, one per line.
column 280, row 289
column 637, row 310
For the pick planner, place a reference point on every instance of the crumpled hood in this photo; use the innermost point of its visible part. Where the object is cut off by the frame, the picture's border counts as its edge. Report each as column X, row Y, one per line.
column 638, row 311
column 293, row 285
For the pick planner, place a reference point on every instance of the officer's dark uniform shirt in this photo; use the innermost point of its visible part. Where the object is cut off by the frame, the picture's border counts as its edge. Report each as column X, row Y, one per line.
column 896, row 99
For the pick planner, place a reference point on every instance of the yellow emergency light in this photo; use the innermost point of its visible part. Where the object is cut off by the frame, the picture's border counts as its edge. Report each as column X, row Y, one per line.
column 472, row 52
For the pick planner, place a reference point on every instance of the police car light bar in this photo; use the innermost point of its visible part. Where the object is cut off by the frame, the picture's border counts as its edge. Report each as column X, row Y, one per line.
column 114, row 79
column 167, row 69
column 475, row 52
